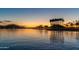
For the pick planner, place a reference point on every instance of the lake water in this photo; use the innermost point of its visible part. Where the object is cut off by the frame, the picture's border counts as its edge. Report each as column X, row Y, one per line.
column 31, row 39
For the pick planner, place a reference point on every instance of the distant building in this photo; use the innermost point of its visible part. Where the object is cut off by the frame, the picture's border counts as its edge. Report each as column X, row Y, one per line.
column 56, row 21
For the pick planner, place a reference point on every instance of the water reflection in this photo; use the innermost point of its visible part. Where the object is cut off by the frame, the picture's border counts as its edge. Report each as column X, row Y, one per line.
column 65, row 39
column 56, row 39
column 77, row 36
column 39, row 39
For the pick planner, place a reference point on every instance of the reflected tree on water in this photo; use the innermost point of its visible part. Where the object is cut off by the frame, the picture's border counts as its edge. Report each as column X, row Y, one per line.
column 56, row 39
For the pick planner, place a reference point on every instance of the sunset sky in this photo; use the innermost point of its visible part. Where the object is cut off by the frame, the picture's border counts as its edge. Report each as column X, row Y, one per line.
column 37, row 16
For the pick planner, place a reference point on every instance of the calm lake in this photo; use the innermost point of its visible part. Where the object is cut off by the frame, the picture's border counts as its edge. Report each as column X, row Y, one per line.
column 31, row 39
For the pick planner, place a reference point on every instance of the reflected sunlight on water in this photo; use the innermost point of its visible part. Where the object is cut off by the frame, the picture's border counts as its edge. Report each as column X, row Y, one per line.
column 30, row 39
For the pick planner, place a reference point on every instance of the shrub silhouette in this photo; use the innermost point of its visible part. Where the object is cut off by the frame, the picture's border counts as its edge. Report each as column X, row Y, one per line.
column 57, row 27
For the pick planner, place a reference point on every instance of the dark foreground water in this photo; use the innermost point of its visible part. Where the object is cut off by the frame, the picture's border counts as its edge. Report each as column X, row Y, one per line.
column 30, row 39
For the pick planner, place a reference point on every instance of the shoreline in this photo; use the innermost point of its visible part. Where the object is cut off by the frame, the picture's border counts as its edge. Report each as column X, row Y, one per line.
column 65, row 29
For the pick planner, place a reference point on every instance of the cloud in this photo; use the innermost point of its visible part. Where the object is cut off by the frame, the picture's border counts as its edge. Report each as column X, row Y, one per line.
column 7, row 21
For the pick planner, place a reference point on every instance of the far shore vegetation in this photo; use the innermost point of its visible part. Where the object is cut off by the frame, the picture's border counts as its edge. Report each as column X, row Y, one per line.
column 55, row 24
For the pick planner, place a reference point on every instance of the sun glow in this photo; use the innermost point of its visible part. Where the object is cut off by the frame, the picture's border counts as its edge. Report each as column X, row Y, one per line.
column 33, row 24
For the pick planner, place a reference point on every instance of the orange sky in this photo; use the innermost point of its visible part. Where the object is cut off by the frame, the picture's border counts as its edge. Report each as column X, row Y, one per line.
column 33, row 23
